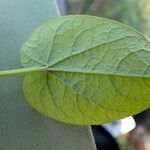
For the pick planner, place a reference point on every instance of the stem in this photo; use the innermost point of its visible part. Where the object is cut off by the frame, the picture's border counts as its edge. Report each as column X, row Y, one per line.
column 20, row 71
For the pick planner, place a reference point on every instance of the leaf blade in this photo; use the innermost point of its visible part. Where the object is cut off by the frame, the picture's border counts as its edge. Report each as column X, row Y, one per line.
column 100, row 62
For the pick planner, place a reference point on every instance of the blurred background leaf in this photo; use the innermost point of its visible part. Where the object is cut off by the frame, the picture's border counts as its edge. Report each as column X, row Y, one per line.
column 135, row 13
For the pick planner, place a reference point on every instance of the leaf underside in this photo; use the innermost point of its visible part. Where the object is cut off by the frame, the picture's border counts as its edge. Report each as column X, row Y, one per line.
column 98, row 70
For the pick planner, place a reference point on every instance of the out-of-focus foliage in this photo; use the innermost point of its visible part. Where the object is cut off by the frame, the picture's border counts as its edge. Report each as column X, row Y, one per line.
column 144, row 6
column 125, row 11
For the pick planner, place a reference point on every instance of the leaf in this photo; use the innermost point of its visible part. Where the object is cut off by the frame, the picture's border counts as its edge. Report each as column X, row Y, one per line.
column 97, row 70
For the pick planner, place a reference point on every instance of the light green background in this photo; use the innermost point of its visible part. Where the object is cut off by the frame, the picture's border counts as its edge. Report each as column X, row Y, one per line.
column 21, row 127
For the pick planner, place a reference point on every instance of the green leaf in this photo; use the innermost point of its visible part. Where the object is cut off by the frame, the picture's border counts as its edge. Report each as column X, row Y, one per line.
column 98, row 70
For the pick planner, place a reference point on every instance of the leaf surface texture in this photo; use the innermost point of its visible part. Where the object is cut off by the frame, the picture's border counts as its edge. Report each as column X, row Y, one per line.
column 98, row 70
